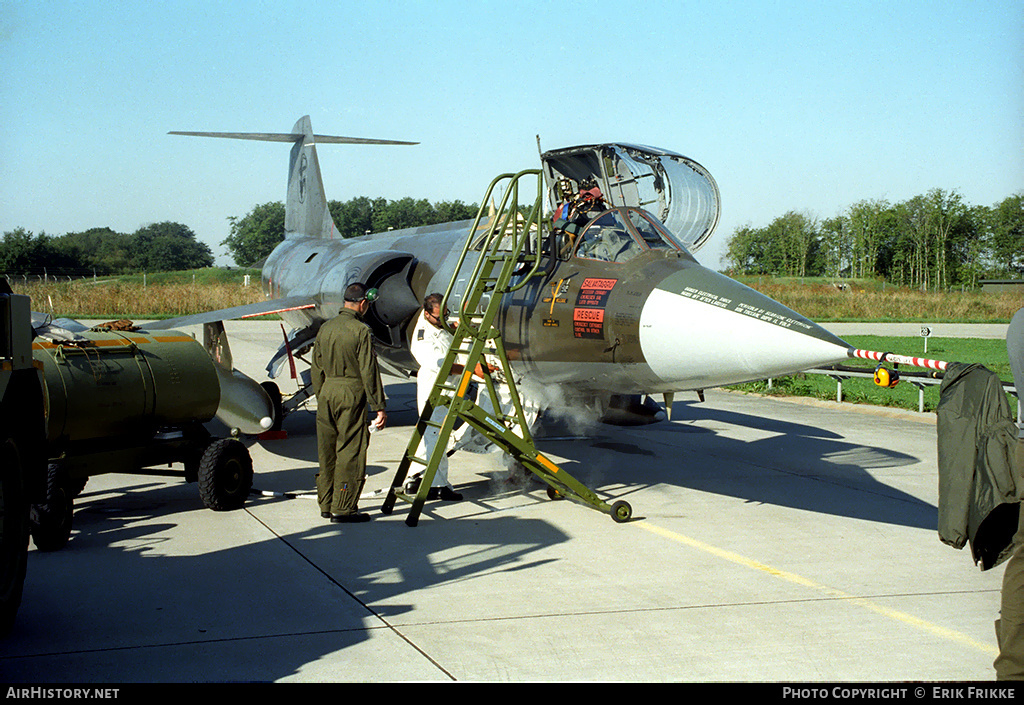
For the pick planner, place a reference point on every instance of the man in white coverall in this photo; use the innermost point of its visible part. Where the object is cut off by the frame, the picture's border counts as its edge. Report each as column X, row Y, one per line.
column 430, row 343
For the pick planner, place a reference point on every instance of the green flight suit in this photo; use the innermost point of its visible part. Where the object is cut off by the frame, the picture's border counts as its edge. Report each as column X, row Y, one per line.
column 346, row 380
column 1010, row 625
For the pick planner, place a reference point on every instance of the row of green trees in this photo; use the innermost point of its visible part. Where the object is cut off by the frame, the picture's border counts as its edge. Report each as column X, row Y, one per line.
column 256, row 234
column 171, row 246
column 153, row 248
column 932, row 241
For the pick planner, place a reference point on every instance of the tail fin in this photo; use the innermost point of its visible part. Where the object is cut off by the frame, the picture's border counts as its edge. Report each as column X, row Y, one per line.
column 306, row 213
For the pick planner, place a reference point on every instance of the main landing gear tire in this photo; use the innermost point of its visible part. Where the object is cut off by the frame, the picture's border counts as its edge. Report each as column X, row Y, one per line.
column 621, row 512
column 225, row 475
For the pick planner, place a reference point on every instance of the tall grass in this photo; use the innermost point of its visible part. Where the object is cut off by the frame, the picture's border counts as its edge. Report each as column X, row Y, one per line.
column 871, row 301
column 152, row 296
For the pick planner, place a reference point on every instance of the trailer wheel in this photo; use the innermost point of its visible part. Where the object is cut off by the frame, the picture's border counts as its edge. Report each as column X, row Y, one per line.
column 51, row 520
column 13, row 532
column 225, row 475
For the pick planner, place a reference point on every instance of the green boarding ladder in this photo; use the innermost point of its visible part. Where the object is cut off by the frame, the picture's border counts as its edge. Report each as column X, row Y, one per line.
column 509, row 248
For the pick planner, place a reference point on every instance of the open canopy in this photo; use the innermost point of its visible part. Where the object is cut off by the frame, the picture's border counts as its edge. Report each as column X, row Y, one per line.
column 675, row 189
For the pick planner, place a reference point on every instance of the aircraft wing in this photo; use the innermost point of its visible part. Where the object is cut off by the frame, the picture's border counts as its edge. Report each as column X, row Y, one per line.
column 263, row 308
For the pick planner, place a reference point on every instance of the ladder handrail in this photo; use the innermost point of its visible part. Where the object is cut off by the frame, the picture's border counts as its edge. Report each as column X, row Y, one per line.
column 494, row 237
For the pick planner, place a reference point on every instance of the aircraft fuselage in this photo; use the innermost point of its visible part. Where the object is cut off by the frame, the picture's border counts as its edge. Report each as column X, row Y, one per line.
column 659, row 322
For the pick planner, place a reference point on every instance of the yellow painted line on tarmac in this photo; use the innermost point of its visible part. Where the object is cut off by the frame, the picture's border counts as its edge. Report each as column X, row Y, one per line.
column 895, row 615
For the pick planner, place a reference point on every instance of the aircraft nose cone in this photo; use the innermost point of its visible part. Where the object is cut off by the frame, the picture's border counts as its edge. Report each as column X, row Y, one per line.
column 700, row 329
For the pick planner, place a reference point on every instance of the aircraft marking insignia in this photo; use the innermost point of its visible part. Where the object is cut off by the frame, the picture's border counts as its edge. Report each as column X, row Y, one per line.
column 594, row 291
column 588, row 322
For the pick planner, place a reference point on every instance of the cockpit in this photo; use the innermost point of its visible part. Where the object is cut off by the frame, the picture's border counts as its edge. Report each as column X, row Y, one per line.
column 618, row 235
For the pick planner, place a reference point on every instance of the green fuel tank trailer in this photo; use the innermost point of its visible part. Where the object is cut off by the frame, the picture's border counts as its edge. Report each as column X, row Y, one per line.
column 129, row 400
column 125, row 385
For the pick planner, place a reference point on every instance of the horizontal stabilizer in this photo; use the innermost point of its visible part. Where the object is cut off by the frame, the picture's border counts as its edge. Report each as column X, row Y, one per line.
column 305, row 210
column 287, row 137
column 263, row 308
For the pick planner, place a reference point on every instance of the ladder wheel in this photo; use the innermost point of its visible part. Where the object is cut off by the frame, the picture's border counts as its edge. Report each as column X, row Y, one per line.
column 621, row 512
column 554, row 494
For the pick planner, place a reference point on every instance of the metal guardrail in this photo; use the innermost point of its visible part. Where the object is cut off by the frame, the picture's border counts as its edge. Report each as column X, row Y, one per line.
column 920, row 382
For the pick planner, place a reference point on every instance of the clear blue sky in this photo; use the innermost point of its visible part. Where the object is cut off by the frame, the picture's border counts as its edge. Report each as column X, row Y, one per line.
column 807, row 106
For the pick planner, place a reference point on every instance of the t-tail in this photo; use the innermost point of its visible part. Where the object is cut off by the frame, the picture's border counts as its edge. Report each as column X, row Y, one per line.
column 306, row 213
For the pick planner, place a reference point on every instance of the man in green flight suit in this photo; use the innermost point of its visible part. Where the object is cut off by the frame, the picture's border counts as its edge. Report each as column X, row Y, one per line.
column 1010, row 626
column 346, row 380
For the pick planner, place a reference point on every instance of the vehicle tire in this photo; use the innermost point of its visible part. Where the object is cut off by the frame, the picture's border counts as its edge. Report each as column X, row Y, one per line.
column 225, row 475
column 51, row 521
column 15, row 532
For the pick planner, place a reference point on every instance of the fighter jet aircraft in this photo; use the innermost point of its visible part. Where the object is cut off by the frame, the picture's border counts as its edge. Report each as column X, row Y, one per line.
column 621, row 306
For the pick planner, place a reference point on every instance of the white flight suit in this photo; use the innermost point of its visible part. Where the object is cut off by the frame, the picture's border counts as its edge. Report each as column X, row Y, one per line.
column 429, row 347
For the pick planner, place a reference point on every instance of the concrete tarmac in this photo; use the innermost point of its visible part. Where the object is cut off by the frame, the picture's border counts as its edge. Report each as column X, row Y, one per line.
column 771, row 541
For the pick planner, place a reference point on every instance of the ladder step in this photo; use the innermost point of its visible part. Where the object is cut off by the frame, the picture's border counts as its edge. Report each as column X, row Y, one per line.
column 405, row 497
column 466, row 351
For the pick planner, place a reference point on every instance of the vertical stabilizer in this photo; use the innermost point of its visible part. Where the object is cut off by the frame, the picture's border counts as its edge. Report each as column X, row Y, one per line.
column 306, row 213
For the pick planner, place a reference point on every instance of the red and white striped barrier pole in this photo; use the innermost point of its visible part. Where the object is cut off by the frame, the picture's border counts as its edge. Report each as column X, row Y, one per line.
column 897, row 359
